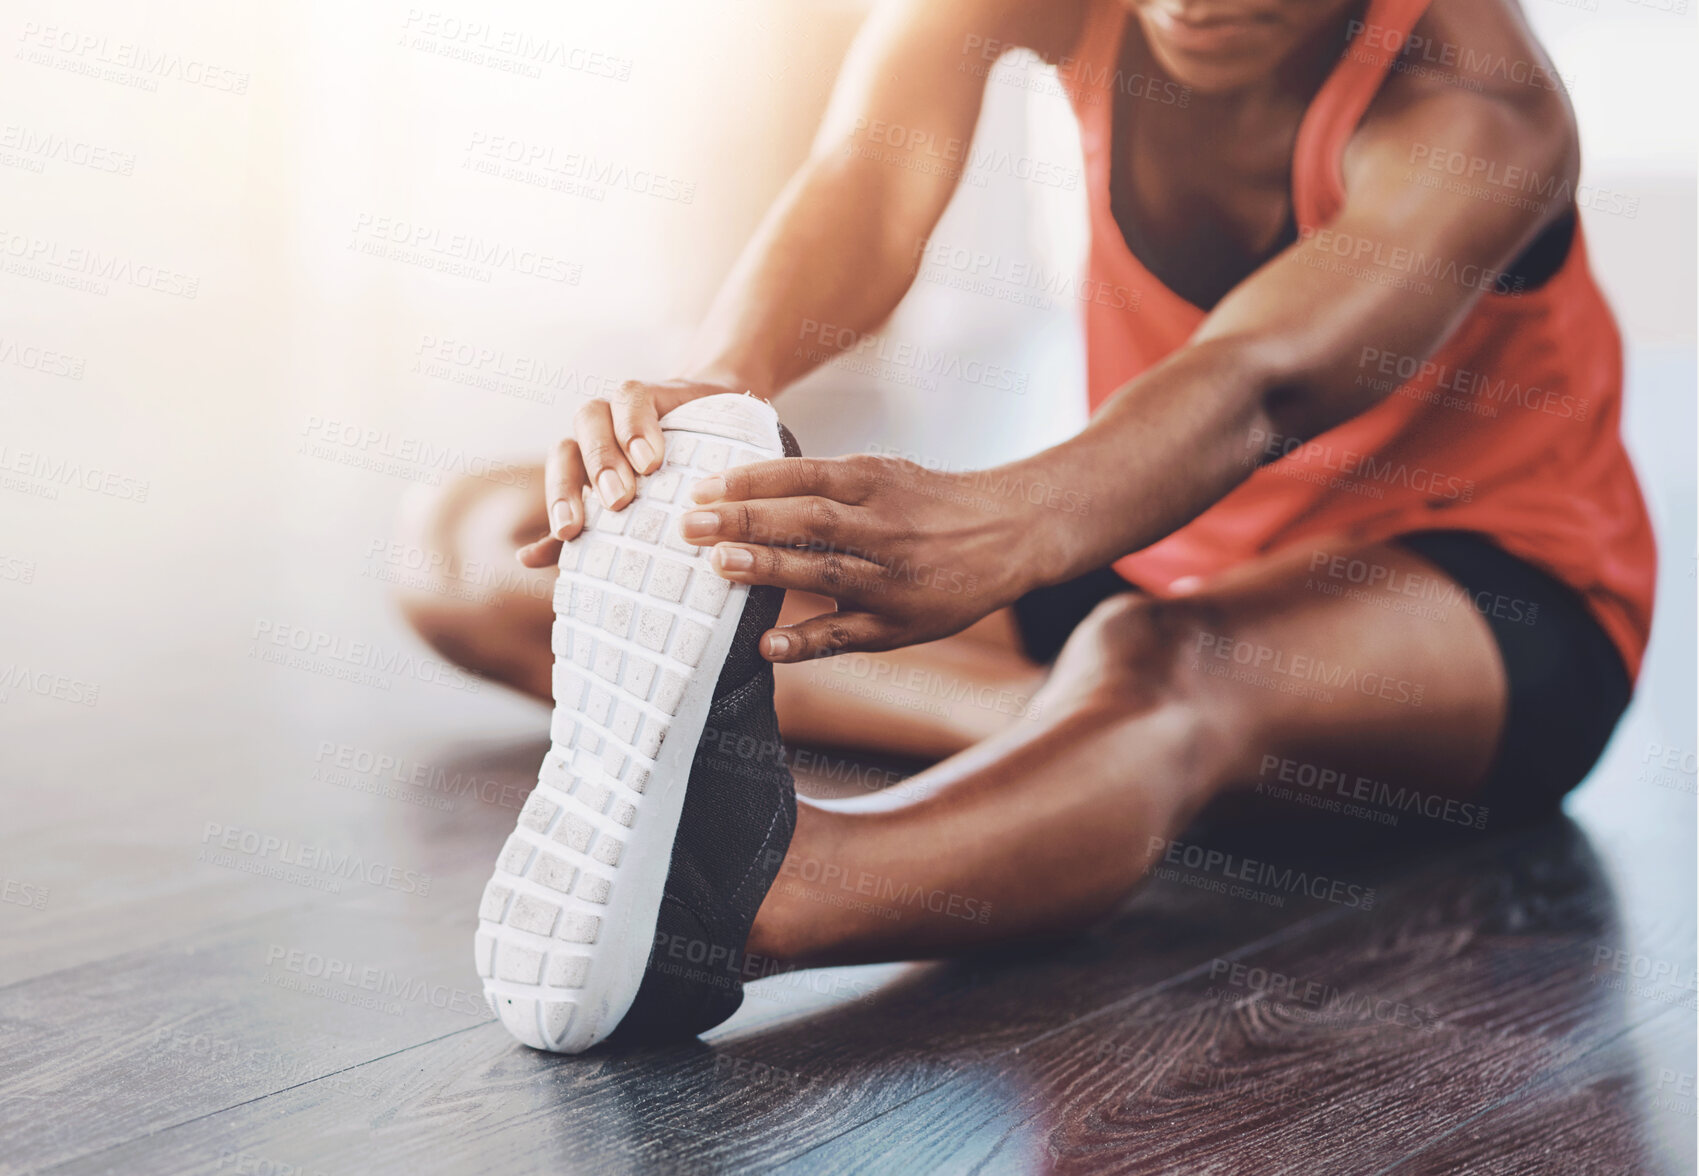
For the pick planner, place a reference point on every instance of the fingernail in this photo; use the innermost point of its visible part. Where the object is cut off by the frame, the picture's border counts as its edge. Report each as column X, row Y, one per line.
column 699, row 523
column 778, row 645
column 609, row 486
column 561, row 516
column 735, row 559
column 642, row 454
column 708, row 489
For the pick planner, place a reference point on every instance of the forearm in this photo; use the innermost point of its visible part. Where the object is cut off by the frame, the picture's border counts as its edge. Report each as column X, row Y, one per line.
column 832, row 260
column 1166, row 447
column 842, row 244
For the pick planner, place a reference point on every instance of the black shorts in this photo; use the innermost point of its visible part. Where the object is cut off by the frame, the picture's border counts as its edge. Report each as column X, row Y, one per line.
column 1567, row 683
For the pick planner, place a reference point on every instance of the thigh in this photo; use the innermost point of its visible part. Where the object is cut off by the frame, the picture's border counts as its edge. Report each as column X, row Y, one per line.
column 1324, row 687
column 926, row 701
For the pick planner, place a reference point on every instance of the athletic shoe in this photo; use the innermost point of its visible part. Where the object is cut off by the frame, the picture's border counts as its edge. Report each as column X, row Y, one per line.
column 656, row 668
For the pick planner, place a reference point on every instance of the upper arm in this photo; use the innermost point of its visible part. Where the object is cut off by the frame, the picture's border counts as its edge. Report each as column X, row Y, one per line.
column 1415, row 246
column 909, row 94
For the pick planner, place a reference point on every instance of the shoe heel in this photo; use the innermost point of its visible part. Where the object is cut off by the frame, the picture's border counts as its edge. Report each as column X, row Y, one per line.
column 744, row 418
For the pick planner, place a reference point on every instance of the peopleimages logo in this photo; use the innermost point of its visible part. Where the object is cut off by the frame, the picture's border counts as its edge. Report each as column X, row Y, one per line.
column 47, row 474
column 509, row 49
column 24, row 894
column 386, row 451
column 1364, row 468
column 1283, row 879
column 345, row 765
column 848, row 343
column 1480, row 392
column 381, row 982
column 1260, row 662
column 287, row 853
column 37, row 148
column 1418, row 54
column 974, row 159
column 39, row 359
column 493, row 369
column 1319, row 996
column 46, row 684
column 97, row 49
column 90, row 270
column 1343, row 790
column 1401, row 259
column 452, row 252
column 578, row 173
column 309, row 643
column 1355, row 572
column 1506, row 183
column 877, row 894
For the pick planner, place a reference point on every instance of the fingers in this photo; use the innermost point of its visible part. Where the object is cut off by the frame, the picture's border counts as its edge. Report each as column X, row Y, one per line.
column 844, row 479
column 544, row 553
column 604, row 460
column 563, row 489
column 637, row 427
column 780, row 522
column 823, row 636
column 841, row 576
column 612, row 445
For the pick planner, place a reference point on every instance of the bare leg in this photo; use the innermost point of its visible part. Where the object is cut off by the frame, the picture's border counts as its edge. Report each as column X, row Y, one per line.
column 928, row 701
column 486, row 612
column 1128, row 738
column 1049, row 825
column 480, row 607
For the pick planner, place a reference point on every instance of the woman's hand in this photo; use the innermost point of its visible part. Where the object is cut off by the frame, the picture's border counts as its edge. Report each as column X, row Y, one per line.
column 908, row 554
column 613, row 442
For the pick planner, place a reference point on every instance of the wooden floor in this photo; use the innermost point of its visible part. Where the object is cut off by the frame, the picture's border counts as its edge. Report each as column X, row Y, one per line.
column 1519, row 1002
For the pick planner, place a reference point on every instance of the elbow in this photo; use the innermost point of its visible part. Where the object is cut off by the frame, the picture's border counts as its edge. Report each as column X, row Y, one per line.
column 1278, row 401
column 1296, row 392
column 1290, row 395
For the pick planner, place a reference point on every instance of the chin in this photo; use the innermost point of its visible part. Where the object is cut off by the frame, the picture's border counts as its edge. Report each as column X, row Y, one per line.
column 1209, row 77
column 1226, row 45
column 1212, row 74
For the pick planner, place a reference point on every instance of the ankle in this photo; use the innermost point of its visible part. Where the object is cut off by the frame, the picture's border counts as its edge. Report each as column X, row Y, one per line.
column 785, row 930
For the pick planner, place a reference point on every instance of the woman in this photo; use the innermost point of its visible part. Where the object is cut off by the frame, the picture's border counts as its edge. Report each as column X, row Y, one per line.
column 1351, row 500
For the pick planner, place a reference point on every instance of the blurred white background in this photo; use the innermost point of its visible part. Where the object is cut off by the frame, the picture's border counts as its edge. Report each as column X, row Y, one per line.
column 266, row 159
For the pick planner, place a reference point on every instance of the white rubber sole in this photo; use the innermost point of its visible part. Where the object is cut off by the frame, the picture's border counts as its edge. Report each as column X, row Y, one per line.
column 642, row 627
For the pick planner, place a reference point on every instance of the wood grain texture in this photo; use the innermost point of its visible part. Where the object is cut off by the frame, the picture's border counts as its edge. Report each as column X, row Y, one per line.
column 1625, row 1107
column 167, row 1013
column 1340, row 1049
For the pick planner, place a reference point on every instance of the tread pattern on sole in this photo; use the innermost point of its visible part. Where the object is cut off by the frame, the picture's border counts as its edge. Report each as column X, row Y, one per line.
column 634, row 610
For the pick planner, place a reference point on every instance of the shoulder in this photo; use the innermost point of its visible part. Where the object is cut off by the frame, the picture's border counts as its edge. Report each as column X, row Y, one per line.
column 1472, row 93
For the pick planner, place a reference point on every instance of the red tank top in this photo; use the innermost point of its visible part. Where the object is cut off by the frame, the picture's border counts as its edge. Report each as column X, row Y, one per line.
column 1509, row 430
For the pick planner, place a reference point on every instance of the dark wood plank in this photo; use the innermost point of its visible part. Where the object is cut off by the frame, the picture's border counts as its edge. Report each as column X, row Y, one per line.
column 127, row 867
column 811, row 1054
column 1625, row 1107
column 138, row 1032
column 1473, row 981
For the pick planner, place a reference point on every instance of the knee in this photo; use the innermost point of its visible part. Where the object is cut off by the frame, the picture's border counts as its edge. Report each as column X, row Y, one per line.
column 419, row 559
column 1137, row 653
column 1133, row 673
column 442, row 564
